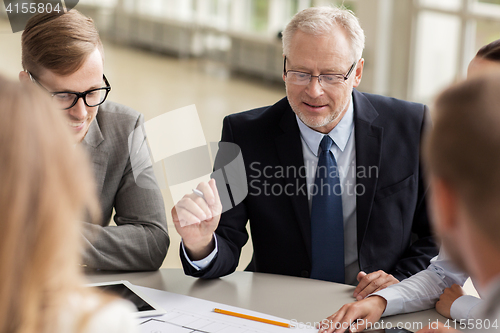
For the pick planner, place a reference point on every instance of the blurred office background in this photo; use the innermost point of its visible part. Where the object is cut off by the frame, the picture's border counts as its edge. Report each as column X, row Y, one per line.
column 225, row 55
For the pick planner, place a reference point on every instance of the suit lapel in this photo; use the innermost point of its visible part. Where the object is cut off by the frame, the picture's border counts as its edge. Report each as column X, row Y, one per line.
column 99, row 157
column 368, row 149
column 289, row 147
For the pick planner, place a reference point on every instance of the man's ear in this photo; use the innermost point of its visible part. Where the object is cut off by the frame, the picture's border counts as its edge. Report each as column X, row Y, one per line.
column 283, row 76
column 24, row 77
column 358, row 72
column 445, row 206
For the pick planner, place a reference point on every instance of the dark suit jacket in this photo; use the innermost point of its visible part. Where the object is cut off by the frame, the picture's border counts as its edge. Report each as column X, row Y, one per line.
column 393, row 231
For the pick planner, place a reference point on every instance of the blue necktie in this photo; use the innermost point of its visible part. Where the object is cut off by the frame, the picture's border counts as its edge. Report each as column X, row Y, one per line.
column 327, row 221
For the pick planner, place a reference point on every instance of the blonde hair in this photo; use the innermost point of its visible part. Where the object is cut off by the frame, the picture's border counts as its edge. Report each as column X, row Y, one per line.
column 321, row 21
column 46, row 186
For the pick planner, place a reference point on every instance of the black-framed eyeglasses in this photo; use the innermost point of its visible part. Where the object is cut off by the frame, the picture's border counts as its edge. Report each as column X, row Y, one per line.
column 67, row 99
column 303, row 79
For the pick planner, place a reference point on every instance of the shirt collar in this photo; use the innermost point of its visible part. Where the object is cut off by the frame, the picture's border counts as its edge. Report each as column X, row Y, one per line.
column 340, row 134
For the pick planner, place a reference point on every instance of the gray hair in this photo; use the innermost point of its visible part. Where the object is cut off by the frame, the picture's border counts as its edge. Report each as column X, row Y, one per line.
column 321, row 21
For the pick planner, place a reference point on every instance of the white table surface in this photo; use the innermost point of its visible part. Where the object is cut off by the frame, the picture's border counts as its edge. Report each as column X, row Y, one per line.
column 305, row 300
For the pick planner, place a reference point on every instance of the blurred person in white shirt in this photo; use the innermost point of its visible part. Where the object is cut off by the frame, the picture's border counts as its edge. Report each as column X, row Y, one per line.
column 46, row 187
column 440, row 285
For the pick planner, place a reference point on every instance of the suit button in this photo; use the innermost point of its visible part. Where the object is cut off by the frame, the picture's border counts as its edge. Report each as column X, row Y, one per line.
column 304, row 273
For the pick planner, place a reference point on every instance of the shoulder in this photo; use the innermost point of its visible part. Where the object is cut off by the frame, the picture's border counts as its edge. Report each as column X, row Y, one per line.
column 117, row 109
column 116, row 316
column 261, row 117
column 117, row 122
column 392, row 107
column 98, row 316
column 111, row 114
column 396, row 116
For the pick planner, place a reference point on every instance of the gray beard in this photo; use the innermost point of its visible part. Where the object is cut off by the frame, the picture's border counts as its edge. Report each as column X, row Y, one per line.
column 315, row 124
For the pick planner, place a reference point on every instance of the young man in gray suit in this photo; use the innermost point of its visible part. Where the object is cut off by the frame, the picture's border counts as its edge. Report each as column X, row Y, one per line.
column 63, row 54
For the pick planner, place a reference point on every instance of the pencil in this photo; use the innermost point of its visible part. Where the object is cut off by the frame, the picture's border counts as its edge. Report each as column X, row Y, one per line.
column 262, row 320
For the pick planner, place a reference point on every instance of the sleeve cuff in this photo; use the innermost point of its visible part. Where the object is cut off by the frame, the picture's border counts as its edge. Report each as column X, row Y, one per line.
column 464, row 307
column 203, row 263
column 394, row 301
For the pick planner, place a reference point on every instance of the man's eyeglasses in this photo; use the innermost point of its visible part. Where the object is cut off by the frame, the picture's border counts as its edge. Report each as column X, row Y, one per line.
column 325, row 80
column 67, row 99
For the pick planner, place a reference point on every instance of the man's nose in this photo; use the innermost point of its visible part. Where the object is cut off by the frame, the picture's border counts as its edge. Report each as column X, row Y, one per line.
column 79, row 110
column 314, row 88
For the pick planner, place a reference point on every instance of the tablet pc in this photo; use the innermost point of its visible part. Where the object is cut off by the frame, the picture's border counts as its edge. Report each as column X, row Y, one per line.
column 126, row 290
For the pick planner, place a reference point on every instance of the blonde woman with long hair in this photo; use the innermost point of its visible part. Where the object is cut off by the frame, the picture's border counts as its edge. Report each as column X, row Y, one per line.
column 45, row 188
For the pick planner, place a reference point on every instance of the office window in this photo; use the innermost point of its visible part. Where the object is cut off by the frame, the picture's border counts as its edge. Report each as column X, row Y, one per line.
column 497, row 2
column 259, row 10
column 150, row 7
column 447, row 35
column 101, row 3
column 487, row 30
column 442, row 4
column 436, row 52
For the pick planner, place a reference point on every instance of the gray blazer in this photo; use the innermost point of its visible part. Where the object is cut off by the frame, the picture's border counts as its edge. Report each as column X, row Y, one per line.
column 140, row 240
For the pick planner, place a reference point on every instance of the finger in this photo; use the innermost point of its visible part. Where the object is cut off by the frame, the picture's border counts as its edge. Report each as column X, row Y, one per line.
column 187, row 207
column 187, row 218
column 173, row 212
column 208, row 193
column 364, row 323
column 202, row 203
column 323, row 326
column 365, row 281
column 457, row 290
column 360, row 325
column 370, row 288
column 350, row 318
column 333, row 316
column 328, row 324
column 217, row 205
column 360, row 275
column 178, row 224
column 195, row 200
column 383, row 286
column 352, row 312
column 385, row 281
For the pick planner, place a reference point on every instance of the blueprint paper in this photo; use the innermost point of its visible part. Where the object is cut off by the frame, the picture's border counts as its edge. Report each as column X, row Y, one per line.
column 190, row 314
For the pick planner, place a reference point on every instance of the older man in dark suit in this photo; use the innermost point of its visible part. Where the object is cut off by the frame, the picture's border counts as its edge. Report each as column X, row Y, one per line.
column 334, row 176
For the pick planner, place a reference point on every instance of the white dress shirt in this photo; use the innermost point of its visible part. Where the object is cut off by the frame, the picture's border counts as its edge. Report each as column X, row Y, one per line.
column 344, row 151
column 422, row 290
column 488, row 314
column 117, row 316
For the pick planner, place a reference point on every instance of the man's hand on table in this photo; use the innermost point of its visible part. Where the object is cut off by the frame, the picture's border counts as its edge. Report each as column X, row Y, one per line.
column 362, row 313
column 370, row 283
column 443, row 306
